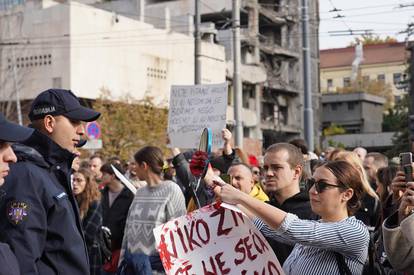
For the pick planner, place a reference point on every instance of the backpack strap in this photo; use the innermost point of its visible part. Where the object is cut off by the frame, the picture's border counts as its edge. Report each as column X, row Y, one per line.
column 343, row 267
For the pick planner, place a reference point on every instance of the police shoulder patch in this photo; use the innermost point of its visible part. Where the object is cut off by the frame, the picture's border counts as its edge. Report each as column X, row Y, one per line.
column 17, row 212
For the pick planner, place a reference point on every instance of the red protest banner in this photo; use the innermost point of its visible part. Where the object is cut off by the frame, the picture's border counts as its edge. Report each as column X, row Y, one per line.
column 216, row 239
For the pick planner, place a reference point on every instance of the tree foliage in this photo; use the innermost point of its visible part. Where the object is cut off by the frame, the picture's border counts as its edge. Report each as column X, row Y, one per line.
column 333, row 130
column 371, row 86
column 397, row 120
column 129, row 124
column 371, row 39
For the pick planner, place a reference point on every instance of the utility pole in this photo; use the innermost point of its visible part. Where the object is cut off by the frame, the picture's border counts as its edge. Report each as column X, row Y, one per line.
column 307, row 83
column 237, row 85
column 197, row 44
column 16, row 88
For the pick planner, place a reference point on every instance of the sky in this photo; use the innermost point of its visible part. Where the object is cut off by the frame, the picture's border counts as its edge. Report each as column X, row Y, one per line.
column 382, row 17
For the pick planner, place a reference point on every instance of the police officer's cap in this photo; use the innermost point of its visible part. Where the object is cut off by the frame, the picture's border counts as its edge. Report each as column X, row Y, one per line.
column 12, row 132
column 60, row 102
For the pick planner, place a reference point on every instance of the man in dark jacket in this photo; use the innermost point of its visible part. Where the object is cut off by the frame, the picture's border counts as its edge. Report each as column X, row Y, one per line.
column 116, row 200
column 9, row 132
column 283, row 167
column 40, row 218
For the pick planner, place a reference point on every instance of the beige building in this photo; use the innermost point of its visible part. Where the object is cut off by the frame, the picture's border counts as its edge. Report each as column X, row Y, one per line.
column 384, row 62
column 77, row 46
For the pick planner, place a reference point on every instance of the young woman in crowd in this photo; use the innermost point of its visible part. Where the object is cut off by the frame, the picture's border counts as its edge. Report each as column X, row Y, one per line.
column 88, row 197
column 385, row 176
column 370, row 210
column 154, row 204
column 336, row 242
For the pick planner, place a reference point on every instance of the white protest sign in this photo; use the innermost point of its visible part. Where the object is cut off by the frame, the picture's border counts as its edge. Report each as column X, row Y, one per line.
column 124, row 180
column 214, row 240
column 193, row 108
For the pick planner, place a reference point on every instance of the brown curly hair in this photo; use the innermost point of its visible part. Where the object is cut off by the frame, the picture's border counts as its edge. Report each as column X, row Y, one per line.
column 90, row 193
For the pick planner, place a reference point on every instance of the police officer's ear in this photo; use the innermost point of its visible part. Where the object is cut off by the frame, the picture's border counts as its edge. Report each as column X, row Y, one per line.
column 48, row 124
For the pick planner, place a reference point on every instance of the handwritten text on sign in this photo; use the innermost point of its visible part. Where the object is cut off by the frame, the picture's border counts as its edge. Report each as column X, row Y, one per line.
column 193, row 108
column 214, row 240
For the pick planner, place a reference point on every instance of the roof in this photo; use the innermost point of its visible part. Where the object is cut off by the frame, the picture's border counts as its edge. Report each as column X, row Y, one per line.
column 373, row 54
column 345, row 97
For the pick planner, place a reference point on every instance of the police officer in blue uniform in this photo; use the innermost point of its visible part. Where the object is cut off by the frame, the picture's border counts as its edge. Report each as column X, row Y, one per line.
column 40, row 218
column 9, row 132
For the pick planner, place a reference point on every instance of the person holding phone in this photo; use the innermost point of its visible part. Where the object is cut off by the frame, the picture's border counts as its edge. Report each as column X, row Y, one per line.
column 398, row 229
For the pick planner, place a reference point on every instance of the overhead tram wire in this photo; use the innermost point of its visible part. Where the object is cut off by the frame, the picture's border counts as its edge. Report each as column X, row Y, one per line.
column 149, row 29
column 138, row 41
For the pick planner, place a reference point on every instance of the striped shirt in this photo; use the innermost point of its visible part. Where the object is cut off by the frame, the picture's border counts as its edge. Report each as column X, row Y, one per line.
column 316, row 241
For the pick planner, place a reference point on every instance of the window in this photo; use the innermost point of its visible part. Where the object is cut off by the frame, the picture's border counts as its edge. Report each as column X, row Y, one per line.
column 156, row 73
column 334, row 106
column 365, row 79
column 347, row 81
column 248, row 96
column 329, row 83
column 246, row 132
column 381, row 77
column 397, row 77
column 283, row 112
column 267, row 111
column 351, row 105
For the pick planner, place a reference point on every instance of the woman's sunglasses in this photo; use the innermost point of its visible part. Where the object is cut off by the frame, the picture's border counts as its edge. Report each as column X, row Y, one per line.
column 320, row 185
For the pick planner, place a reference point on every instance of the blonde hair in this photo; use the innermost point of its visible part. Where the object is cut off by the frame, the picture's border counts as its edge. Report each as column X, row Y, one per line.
column 353, row 159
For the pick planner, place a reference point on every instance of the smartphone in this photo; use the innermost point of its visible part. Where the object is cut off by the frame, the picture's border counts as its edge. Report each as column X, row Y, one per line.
column 405, row 163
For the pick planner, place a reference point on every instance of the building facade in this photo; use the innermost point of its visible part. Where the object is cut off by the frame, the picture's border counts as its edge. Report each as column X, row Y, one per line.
column 77, row 46
column 360, row 115
column 355, row 112
column 271, row 57
column 140, row 48
column 386, row 62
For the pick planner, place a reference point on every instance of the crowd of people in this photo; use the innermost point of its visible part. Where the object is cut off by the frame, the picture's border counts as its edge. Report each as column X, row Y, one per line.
column 339, row 212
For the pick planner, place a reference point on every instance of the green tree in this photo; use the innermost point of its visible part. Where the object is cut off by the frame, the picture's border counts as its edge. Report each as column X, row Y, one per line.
column 129, row 124
column 397, row 120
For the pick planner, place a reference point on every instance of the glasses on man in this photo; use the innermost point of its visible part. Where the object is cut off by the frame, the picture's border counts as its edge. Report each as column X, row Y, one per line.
column 320, row 185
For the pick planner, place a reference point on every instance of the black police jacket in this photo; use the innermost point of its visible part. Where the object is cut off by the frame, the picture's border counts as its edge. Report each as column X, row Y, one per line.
column 8, row 262
column 39, row 217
